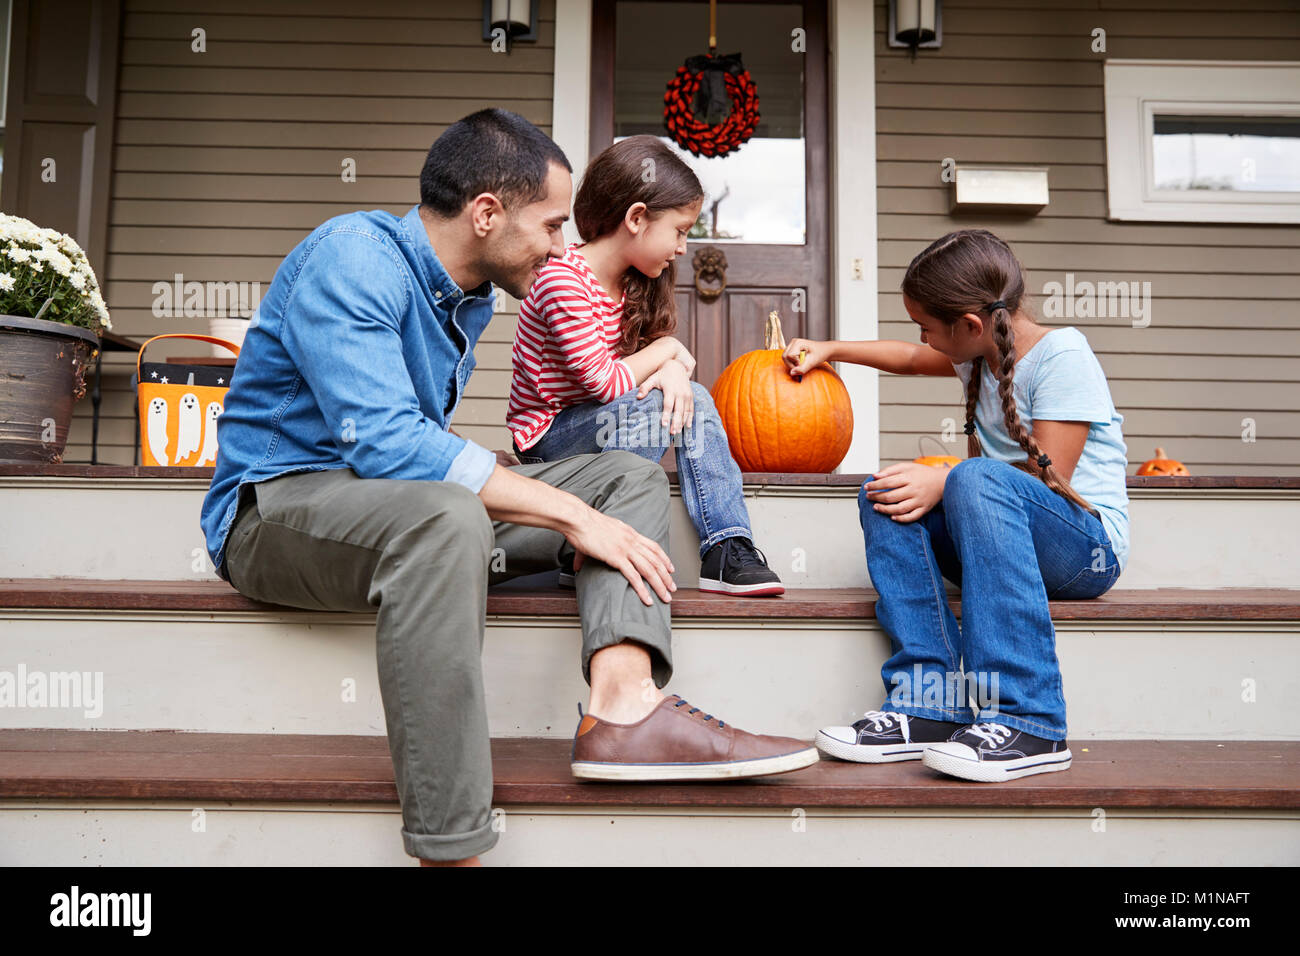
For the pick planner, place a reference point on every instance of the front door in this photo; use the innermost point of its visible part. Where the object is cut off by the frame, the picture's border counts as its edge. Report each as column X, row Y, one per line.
column 765, row 208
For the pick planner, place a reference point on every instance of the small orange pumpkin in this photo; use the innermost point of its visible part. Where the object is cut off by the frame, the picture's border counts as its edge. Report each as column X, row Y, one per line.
column 775, row 423
column 1160, row 465
column 935, row 461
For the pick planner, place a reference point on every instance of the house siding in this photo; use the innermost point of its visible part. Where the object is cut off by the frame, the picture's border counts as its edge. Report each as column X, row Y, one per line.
column 224, row 160
column 1015, row 82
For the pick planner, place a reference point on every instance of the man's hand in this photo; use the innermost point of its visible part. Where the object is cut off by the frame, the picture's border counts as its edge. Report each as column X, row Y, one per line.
column 907, row 490
column 510, row 496
column 679, row 401
column 621, row 546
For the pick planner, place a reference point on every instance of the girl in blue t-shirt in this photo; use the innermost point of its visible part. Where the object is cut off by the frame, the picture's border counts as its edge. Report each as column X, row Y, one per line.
column 1011, row 524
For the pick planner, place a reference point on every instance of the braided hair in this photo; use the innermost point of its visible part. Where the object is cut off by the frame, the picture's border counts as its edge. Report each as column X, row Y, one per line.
column 972, row 270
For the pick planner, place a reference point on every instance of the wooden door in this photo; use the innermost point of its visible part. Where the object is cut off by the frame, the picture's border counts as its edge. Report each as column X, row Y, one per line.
column 58, row 124
column 765, row 208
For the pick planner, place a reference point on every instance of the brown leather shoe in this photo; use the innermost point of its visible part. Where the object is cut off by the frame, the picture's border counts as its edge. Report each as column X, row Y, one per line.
column 676, row 741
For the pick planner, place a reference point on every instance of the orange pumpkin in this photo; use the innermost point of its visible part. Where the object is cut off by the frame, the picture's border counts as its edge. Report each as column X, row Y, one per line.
column 935, row 461
column 1160, row 465
column 776, row 423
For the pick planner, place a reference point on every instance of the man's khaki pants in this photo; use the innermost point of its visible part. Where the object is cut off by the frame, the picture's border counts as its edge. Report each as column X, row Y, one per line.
column 421, row 553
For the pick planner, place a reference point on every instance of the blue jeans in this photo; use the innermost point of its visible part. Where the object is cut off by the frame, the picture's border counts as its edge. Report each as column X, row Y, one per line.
column 1010, row 543
column 709, row 477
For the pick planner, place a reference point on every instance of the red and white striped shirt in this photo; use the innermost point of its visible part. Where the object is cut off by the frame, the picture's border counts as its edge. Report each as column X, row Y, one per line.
column 564, row 348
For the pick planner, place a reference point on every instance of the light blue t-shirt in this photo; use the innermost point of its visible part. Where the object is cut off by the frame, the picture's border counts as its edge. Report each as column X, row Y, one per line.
column 1060, row 379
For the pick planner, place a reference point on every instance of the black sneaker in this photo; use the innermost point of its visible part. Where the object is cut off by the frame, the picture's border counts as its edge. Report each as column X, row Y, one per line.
column 883, row 736
column 991, row 753
column 566, row 572
column 735, row 566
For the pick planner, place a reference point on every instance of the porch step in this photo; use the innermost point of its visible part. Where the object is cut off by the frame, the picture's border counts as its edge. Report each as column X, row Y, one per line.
column 1172, row 664
column 1165, row 604
column 313, row 799
column 112, row 522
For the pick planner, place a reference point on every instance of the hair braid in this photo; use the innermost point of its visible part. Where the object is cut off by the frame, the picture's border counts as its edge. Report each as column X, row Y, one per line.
column 1005, row 339
column 973, row 448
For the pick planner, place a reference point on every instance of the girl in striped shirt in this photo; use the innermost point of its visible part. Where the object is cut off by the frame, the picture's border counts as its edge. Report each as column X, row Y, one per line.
column 596, row 366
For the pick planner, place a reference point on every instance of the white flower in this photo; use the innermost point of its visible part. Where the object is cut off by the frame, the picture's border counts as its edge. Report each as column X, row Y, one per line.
column 62, row 264
column 78, row 281
column 6, row 281
column 19, row 254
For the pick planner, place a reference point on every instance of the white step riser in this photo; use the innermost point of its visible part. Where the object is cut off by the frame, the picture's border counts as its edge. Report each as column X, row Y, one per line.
column 73, row 833
column 149, row 529
column 266, row 673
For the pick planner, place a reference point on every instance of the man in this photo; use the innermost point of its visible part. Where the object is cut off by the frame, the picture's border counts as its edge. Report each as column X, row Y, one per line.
column 340, row 486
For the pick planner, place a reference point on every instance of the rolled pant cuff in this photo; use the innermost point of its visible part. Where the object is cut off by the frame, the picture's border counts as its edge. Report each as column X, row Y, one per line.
column 965, row 716
column 450, row 846
column 655, row 641
column 736, row 531
column 1037, row 728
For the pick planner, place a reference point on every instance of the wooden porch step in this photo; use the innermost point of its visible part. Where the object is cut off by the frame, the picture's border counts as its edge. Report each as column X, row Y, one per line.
column 1160, row 604
column 764, row 478
column 171, row 765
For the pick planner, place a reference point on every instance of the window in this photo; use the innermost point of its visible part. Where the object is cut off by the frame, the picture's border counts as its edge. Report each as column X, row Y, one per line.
column 757, row 193
column 1203, row 141
column 1226, row 153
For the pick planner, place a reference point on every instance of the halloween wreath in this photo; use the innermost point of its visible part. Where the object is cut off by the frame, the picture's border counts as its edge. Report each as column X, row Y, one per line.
column 711, row 105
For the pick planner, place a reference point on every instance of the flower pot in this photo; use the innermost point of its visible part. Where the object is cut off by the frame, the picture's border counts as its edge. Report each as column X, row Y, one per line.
column 42, row 375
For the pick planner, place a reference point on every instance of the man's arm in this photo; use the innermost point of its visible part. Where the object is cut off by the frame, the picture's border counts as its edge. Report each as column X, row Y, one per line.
column 341, row 331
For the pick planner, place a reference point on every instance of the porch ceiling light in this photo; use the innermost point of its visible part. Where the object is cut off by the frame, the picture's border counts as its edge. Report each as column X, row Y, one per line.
column 517, row 18
column 916, row 24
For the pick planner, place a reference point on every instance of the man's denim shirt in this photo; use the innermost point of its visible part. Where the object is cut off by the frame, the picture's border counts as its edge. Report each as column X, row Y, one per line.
column 356, row 358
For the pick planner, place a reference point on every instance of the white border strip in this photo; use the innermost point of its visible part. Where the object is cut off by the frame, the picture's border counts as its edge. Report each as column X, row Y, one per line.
column 571, row 103
column 854, row 241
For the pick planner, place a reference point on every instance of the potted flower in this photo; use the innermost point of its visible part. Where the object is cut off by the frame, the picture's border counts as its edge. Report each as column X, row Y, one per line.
column 52, row 317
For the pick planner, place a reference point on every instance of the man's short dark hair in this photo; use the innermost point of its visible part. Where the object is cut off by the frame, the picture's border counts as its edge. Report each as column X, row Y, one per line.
column 493, row 151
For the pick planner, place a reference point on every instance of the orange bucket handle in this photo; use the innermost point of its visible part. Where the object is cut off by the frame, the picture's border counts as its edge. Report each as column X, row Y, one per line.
column 182, row 335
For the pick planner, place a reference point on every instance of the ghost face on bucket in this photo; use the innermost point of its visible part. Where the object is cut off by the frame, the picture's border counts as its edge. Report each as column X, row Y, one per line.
column 196, row 430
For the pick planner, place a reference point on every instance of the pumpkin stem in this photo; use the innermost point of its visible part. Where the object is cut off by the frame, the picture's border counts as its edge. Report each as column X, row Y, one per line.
column 1160, row 452
column 772, row 337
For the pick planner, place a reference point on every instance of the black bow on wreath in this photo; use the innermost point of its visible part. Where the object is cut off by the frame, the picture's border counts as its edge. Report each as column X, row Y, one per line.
column 711, row 102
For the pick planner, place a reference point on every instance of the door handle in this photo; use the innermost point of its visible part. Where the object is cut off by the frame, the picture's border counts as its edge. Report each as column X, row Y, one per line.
column 710, row 266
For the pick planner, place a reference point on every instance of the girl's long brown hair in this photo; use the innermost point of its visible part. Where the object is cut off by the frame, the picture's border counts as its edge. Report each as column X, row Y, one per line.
column 616, row 179
column 966, row 271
